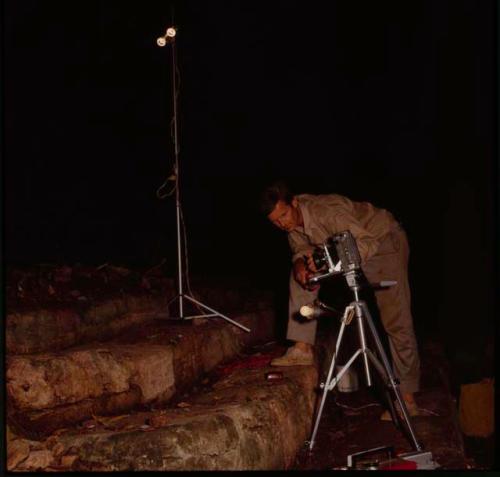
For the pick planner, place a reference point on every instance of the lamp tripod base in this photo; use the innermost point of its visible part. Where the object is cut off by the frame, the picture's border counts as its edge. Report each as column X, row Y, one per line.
column 214, row 313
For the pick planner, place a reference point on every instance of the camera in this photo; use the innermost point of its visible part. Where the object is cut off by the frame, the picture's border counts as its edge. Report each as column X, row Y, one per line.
column 347, row 251
column 339, row 254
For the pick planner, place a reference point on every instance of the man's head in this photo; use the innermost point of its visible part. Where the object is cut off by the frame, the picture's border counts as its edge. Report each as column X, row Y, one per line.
column 281, row 207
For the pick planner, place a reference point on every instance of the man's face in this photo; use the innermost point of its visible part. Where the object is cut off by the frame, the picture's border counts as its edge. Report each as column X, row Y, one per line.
column 286, row 216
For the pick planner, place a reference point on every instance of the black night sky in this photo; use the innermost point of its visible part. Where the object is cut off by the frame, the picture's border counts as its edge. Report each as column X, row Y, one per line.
column 387, row 101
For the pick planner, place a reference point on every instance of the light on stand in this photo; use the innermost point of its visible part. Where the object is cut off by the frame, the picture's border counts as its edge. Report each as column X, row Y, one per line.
column 317, row 309
column 169, row 37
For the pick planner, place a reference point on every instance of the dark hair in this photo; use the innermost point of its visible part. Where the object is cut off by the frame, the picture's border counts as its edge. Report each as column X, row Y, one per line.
column 274, row 192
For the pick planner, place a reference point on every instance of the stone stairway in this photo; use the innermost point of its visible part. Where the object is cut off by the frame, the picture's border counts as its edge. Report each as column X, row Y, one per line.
column 116, row 384
column 98, row 388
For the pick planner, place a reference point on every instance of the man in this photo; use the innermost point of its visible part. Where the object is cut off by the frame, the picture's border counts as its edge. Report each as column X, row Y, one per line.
column 309, row 220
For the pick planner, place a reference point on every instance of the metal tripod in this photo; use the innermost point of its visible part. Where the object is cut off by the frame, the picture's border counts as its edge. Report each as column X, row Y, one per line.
column 360, row 310
column 169, row 37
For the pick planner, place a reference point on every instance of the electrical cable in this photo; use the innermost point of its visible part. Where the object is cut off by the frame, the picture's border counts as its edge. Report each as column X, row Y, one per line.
column 159, row 195
column 377, row 404
column 173, row 176
column 354, row 408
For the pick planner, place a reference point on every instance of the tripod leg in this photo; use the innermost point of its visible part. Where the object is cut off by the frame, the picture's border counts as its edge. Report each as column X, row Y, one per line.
column 190, row 298
column 362, row 338
column 326, row 384
column 392, row 409
column 387, row 386
column 390, row 374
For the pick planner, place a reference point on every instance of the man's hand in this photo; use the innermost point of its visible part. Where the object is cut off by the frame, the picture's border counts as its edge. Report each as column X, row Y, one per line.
column 311, row 266
column 302, row 274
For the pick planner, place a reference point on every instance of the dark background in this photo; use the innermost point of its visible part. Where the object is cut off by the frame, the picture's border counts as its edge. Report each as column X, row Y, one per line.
column 390, row 102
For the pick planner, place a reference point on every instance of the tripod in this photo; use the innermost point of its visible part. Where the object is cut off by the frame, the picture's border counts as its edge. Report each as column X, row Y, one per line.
column 169, row 37
column 359, row 309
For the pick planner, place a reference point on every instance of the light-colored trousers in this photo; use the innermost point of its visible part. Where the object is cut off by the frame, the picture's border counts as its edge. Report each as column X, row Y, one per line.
column 389, row 263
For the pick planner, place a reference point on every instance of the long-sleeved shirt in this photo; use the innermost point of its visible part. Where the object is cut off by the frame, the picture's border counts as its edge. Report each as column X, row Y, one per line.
column 326, row 215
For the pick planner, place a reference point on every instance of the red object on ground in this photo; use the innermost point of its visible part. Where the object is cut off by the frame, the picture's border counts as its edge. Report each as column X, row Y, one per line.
column 252, row 362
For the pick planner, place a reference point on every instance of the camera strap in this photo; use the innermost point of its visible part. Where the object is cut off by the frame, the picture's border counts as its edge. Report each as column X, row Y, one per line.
column 348, row 314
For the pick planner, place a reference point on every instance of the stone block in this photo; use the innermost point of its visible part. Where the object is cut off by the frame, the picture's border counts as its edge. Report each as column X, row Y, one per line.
column 245, row 423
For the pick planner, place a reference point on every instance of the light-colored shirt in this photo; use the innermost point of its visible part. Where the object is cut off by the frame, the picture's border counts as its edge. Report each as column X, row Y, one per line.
column 326, row 215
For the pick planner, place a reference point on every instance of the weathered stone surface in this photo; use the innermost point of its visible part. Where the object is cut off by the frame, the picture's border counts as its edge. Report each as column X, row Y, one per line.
column 46, row 381
column 51, row 391
column 17, row 451
column 60, row 325
column 37, row 460
column 39, row 330
column 58, row 328
column 293, row 405
column 36, row 425
column 27, row 455
column 246, row 423
column 144, row 361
